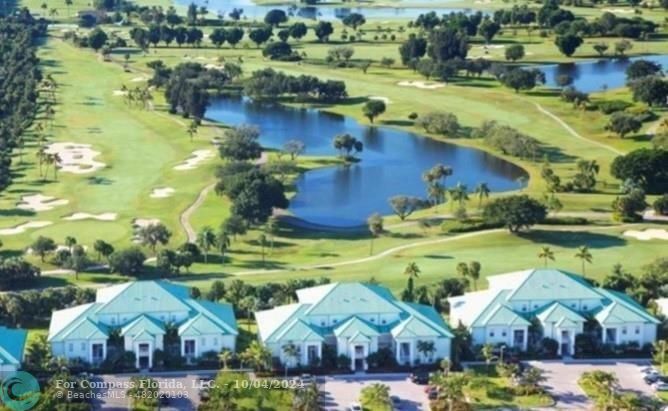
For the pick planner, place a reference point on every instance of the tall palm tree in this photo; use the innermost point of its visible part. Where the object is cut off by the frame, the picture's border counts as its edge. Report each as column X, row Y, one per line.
column 271, row 228
column 225, row 357
column 426, row 348
column 376, row 394
column 192, row 129
column 206, row 239
column 412, row 270
column 306, row 399
column 257, row 355
column 474, row 273
column 482, row 192
column 290, row 351
column 585, row 257
column 375, row 225
column 459, row 194
column 223, row 241
column 546, row 253
column 68, row 3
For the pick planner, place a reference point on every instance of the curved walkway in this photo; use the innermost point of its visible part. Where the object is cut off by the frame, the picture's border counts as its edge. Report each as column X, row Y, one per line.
column 184, row 218
column 574, row 133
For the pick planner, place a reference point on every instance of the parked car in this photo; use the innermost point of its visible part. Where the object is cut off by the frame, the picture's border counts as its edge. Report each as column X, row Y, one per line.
column 420, row 377
column 660, row 386
column 356, row 406
column 307, row 379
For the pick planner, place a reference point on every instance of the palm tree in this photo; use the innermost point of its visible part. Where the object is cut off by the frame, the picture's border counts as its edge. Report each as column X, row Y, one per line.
column 412, row 270
column 482, row 191
column 41, row 158
column 375, row 224
column 426, row 348
column 68, row 3
column 70, row 242
column 306, row 399
column 474, row 273
column 223, row 242
column 225, row 357
column 459, row 194
column 445, row 366
column 377, row 395
column 487, row 352
column 291, row 352
column 546, row 253
column 257, row 355
column 585, row 257
column 206, row 239
column 192, row 129
column 463, row 270
column 271, row 228
column 248, row 303
column 263, row 242
column 451, row 389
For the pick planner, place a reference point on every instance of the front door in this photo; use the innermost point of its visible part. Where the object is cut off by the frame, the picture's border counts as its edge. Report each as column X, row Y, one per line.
column 98, row 353
column 518, row 338
column 144, row 356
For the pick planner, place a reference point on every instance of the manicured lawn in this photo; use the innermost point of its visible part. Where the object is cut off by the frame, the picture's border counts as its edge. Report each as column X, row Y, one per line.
column 488, row 390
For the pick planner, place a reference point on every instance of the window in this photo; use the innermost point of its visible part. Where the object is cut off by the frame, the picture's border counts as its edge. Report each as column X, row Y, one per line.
column 83, row 346
column 322, row 323
column 215, row 340
column 524, row 307
column 383, row 322
column 113, row 320
column 637, row 329
column 572, row 305
column 70, row 347
column 203, row 341
column 585, row 307
column 535, row 306
column 503, row 333
column 373, row 320
column 624, row 330
column 491, row 333
column 335, row 321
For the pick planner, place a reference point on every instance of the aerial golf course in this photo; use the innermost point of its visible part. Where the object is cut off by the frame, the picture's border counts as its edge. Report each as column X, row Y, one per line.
column 126, row 164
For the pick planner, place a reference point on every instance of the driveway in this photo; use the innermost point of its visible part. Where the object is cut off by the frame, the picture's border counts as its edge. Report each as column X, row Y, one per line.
column 341, row 390
column 181, row 387
column 562, row 379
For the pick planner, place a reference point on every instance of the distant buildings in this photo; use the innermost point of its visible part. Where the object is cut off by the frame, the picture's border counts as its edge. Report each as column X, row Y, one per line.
column 559, row 302
column 141, row 313
column 355, row 320
column 12, row 344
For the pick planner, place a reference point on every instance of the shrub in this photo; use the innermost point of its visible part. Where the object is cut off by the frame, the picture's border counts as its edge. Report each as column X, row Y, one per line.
column 612, row 106
column 660, row 205
column 440, row 123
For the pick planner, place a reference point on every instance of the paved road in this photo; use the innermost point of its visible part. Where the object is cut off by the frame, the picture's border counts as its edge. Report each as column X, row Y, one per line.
column 342, row 390
column 562, row 379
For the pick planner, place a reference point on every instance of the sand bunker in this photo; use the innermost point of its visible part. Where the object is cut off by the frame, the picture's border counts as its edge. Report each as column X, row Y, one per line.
column 197, row 157
column 162, row 192
column 88, row 216
column 120, row 93
column 214, row 67
column 39, row 202
column 145, row 222
column 649, row 234
column 623, row 11
column 23, row 227
column 380, row 98
column 138, row 79
column 421, row 84
column 76, row 158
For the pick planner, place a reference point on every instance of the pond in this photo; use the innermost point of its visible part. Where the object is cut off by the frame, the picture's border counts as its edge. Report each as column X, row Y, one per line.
column 392, row 163
column 599, row 75
column 253, row 11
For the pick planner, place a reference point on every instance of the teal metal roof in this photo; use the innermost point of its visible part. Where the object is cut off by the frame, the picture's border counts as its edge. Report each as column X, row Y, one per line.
column 414, row 327
column 559, row 313
column 143, row 324
column 552, row 284
column 630, row 304
column 350, row 299
column 299, row 330
column 220, row 313
column 147, row 297
column 353, row 326
column 201, row 325
column 12, row 344
column 64, row 323
column 502, row 315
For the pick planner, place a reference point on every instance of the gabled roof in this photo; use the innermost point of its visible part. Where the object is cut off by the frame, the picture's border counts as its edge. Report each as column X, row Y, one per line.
column 143, row 324
column 201, row 325
column 348, row 299
column 502, row 315
column 414, row 327
column 63, row 322
column 428, row 315
column 628, row 303
column 353, row 326
column 359, row 337
column 299, row 330
column 552, row 284
column 560, row 315
column 12, row 344
column 270, row 321
column 144, row 297
column 220, row 313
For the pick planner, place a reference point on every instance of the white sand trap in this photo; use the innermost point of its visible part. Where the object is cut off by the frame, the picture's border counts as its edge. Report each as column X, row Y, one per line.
column 201, row 58
column 145, row 222
column 380, row 98
column 23, row 227
column 162, row 192
column 120, row 93
column 40, row 202
column 76, row 158
column 61, row 247
column 210, row 66
column 421, row 84
column 623, row 11
column 649, row 234
column 197, row 157
column 88, row 216
column 138, row 79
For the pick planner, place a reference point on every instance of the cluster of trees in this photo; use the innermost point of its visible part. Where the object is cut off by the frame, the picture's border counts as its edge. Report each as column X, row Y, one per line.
column 517, row 78
column 438, row 122
column 36, row 306
column 646, row 168
column 516, row 212
column 648, row 286
column 180, row 35
column 15, row 272
column 253, row 190
column 270, row 84
column 508, row 140
column 607, row 25
column 645, row 78
column 19, row 85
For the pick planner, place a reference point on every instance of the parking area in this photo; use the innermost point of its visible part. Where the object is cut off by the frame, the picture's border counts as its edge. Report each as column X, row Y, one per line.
column 182, row 388
column 341, row 391
column 562, row 379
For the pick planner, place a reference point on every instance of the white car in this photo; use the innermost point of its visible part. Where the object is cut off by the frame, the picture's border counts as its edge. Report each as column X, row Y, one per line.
column 356, row 406
column 660, row 386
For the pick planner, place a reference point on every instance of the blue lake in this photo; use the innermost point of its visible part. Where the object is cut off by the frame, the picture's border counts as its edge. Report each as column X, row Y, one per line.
column 599, row 75
column 392, row 163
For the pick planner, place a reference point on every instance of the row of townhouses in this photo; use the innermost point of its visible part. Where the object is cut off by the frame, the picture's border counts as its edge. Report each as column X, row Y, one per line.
column 352, row 319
